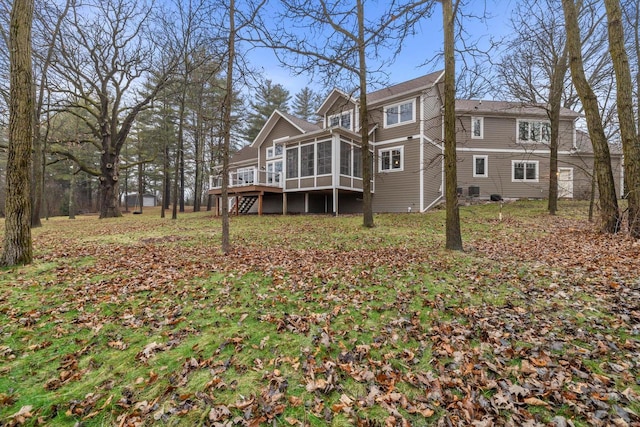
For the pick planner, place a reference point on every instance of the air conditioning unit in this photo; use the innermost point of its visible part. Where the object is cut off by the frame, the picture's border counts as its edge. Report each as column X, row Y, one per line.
column 474, row 191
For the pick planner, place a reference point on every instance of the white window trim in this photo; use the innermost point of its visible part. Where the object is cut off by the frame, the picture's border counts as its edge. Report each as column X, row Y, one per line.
column 542, row 122
column 398, row 104
column 349, row 112
column 270, row 152
column 513, row 171
column 382, row 150
column 486, row 167
column 481, row 119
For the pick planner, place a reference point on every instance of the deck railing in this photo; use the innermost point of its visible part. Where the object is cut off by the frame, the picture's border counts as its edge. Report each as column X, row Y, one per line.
column 247, row 177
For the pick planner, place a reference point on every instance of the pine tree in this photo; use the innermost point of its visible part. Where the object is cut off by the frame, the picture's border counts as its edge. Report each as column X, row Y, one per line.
column 268, row 98
column 306, row 103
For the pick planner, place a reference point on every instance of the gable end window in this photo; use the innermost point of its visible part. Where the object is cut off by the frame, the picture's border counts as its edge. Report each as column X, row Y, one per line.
column 398, row 114
column 524, row 171
column 532, row 131
column 391, row 159
column 480, row 166
column 477, row 127
column 342, row 120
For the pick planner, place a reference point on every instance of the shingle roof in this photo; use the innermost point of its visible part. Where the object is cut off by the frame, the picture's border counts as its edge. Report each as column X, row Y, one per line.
column 245, row 153
column 301, row 123
column 413, row 85
column 584, row 146
column 507, row 108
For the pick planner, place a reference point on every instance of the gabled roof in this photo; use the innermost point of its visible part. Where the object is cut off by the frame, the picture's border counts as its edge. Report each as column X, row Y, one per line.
column 410, row 86
column 245, row 153
column 584, row 146
column 507, row 108
column 332, row 98
column 302, row 125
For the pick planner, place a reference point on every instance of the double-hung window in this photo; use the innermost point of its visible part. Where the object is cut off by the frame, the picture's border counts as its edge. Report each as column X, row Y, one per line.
column 401, row 113
column 391, row 159
column 480, row 166
column 534, row 131
column 477, row 127
column 524, row 171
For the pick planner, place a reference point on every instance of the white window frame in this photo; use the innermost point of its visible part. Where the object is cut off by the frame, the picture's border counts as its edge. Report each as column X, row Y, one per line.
column 271, row 151
column 273, row 176
column 532, row 122
column 473, row 121
column 486, row 167
column 340, row 120
column 391, row 169
column 525, row 162
column 399, row 106
column 246, row 173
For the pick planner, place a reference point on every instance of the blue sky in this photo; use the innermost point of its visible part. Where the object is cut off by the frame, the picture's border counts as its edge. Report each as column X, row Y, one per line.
column 417, row 50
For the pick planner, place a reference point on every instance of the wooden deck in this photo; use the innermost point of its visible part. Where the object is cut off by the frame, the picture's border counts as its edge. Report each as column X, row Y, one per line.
column 240, row 192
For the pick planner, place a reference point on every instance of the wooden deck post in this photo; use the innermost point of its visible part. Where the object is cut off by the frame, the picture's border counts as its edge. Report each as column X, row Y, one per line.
column 216, row 206
column 284, row 203
column 237, row 205
column 335, row 201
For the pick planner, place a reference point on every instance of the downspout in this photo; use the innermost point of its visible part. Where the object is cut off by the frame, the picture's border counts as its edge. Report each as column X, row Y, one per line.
column 421, row 152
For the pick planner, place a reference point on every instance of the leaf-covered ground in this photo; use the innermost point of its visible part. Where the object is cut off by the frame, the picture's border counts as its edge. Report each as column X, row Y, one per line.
column 313, row 320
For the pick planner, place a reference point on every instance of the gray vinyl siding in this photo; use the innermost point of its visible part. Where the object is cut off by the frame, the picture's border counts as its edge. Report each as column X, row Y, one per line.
column 282, row 129
column 432, row 116
column 501, row 132
column 499, row 179
column 433, row 179
column 398, row 190
column 399, row 131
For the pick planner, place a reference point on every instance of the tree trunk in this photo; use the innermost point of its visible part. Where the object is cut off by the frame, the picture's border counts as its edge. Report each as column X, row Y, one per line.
column 609, row 212
column 72, row 194
column 453, row 232
column 17, row 236
column 367, row 208
column 226, row 123
column 555, row 103
column 109, row 206
column 626, row 119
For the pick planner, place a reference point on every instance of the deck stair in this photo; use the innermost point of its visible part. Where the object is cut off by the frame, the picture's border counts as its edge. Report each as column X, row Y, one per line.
column 245, row 203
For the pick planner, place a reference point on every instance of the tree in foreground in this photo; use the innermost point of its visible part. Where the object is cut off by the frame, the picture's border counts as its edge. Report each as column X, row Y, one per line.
column 628, row 131
column 453, row 233
column 17, row 238
column 338, row 40
column 609, row 211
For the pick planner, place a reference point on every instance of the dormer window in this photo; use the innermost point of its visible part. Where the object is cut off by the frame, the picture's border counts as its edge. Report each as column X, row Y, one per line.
column 398, row 114
column 342, row 120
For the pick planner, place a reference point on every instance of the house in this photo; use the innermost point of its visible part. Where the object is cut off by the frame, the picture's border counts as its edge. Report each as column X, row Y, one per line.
column 294, row 166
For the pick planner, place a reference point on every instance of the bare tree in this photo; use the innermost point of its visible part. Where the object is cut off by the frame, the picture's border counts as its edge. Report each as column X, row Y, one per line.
column 609, row 212
column 628, row 131
column 338, row 41
column 103, row 55
column 17, row 238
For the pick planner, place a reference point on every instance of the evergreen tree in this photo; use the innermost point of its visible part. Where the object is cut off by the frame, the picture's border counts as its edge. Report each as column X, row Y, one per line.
column 268, row 98
column 306, row 103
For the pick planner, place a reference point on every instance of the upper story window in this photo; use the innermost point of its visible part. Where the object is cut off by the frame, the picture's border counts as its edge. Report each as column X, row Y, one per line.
column 534, row 131
column 477, row 127
column 401, row 113
column 342, row 119
column 275, row 151
column 391, row 159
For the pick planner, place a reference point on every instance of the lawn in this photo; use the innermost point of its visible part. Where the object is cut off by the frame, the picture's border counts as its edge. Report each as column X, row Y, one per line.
column 314, row 321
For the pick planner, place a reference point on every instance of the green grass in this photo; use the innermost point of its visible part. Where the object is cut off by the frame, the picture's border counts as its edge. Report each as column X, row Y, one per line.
column 300, row 299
